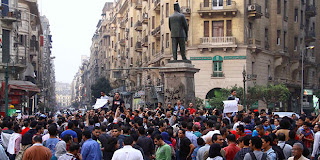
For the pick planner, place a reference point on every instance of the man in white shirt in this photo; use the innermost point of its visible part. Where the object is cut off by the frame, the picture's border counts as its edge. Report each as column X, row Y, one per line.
column 286, row 148
column 127, row 152
column 316, row 141
column 297, row 152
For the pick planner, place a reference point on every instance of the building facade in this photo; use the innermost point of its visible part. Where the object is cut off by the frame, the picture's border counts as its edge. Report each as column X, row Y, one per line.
column 266, row 39
column 63, row 94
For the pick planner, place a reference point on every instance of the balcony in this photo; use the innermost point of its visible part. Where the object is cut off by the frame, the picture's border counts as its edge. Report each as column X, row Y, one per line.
column 254, row 11
column 145, row 18
column 145, row 41
column 106, row 33
column 217, row 74
column 138, row 26
column 138, row 5
column 217, row 42
column 156, row 32
column 123, row 24
column 122, row 42
column 310, row 36
column 138, row 47
column 311, row 11
column 224, row 8
column 156, row 5
column 11, row 16
column 254, row 44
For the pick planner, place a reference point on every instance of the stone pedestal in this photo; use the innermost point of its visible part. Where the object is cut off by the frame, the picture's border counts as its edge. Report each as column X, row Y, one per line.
column 179, row 82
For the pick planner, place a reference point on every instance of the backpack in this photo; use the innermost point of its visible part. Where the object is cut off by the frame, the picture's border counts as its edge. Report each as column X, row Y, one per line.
column 21, row 152
column 279, row 152
column 253, row 157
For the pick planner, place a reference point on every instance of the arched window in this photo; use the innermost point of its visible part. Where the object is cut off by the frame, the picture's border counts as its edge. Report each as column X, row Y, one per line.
column 217, row 67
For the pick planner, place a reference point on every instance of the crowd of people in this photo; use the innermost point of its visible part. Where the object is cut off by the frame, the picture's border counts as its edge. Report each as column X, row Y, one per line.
column 167, row 132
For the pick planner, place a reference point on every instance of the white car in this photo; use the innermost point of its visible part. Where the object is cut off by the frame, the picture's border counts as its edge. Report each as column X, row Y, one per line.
column 283, row 114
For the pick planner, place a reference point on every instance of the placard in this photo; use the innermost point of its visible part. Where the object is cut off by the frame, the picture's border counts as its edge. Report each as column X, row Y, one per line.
column 230, row 106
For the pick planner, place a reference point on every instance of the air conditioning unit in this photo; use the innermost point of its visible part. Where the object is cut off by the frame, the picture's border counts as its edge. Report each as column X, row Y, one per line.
column 186, row 10
column 252, row 8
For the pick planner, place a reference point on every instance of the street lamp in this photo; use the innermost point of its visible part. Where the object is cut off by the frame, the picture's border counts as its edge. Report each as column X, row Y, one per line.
column 302, row 72
column 6, row 85
column 244, row 74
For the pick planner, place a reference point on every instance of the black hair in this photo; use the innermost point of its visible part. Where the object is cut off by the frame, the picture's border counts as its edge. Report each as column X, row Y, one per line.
column 246, row 140
column 225, row 121
column 281, row 137
column 70, row 125
column 214, row 150
column 183, row 131
column 215, row 137
column 16, row 128
column 232, row 90
column 158, row 137
column 231, row 138
column 223, row 130
column 257, row 142
column 128, row 140
column 241, row 128
column 184, row 124
column 33, row 124
column 67, row 137
column 189, row 126
column 292, row 134
column 52, row 130
column 267, row 139
column 141, row 130
column 37, row 138
column 134, row 136
column 86, row 134
column 39, row 127
column 200, row 141
column 91, row 122
column 74, row 147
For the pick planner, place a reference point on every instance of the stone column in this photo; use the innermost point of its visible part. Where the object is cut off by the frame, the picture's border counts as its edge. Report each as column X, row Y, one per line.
column 179, row 82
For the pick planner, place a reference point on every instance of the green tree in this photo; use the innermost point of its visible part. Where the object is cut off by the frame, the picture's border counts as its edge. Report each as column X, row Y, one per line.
column 224, row 93
column 101, row 85
column 198, row 102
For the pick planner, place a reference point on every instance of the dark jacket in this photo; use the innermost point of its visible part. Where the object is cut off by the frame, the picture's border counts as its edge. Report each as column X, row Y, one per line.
column 27, row 137
column 178, row 25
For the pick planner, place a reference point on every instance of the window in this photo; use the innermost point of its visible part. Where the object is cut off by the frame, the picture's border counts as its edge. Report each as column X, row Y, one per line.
column 285, row 16
column 279, row 6
column 217, row 4
column 153, row 48
column 112, row 44
column 301, row 20
column 131, row 42
column 278, row 37
column 131, row 22
column 252, row 68
column 249, row 3
column 266, row 8
column 217, row 66
column 206, row 29
column 153, row 22
column 296, row 15
column 250, row 30
column 284, row 40
column 167, row 10
column 266, row 38
column 206, row 3
column 217, row 28
column 295, row 43
column 229, row 28
column 167, row 40
column 228, row 2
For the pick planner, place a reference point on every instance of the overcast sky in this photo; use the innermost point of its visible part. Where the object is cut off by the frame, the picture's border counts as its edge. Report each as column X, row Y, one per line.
column 72, row 24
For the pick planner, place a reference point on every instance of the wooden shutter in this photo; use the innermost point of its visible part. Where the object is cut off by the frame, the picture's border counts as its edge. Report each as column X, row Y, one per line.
column 229, row 28
column 206, row 3
column 206, row 28
column 217, row 28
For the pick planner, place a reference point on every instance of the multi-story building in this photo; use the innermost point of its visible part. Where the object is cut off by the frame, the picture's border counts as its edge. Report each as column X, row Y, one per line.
column 266, row 39
column 63, row 94
column 21, row 53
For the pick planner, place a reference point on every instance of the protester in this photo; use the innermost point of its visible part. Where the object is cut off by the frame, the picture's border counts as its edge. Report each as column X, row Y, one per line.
column 90, row 149
column 37, row 151
column 297, row 152
column 127, row 152
column 164, row 150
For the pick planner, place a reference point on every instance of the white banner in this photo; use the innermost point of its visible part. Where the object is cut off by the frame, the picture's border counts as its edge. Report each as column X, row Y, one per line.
column 100, row 103
column 230, row 106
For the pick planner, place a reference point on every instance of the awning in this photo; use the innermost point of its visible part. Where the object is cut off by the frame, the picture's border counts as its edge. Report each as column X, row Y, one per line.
column 23, row 85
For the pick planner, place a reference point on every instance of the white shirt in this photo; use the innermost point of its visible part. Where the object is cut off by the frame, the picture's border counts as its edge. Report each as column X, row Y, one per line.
column 237, row 124
column 316, row 144
column 127, row 153
column 286, row 148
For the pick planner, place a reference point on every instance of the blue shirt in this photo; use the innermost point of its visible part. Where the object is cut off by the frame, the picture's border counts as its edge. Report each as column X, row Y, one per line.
column 176, row 108
column 71, row 132
column 91, row 150
column 51, row 144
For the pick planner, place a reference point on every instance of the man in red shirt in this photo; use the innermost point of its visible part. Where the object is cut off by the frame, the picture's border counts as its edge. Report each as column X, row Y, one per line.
column 191, row 109
column 232, row 149
column 25, row 130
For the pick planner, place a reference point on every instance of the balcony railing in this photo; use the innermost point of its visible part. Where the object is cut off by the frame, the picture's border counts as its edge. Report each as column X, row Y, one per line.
column 145, row 18
column 310, row 36
column 156, row 5
column 138, row 47
column 10, row 16
column 122, row 42
column 145, row 41
column 224, row 7
column 218, row 40
column 217, row 74
column 138, row 4
column 123, row 24
column 138, row 26
column 254, row 42
column 311, row 10
column 254, row 11
column 156, row 31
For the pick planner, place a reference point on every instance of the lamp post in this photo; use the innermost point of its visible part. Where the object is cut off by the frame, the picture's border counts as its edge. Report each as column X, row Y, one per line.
column 302, row 81
column 6, row 86
column 244, row 74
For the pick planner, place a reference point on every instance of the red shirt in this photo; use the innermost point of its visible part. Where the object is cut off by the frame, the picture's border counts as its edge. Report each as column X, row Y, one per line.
column 231, row 151
column 237, row 135
column 25, row 131
column 192, row 110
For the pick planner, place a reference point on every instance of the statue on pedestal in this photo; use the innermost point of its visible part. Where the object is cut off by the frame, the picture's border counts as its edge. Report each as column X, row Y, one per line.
column 179, row 32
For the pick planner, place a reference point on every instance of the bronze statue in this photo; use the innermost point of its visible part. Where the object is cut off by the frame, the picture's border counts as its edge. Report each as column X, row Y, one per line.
column 179, row 32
